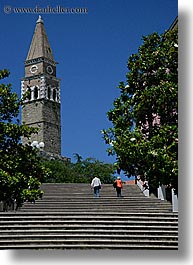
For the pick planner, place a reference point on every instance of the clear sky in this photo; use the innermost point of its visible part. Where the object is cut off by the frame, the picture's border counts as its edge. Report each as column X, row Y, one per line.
column 92, row 51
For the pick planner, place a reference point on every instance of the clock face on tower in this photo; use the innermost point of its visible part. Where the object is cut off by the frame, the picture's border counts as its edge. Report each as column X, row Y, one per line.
column 33, row 69
column 49, row 69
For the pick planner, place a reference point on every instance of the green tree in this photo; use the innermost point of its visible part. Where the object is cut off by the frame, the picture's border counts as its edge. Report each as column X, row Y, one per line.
column 60, row 171
column 21, row 171
column 78, row 157
column 82, row 171
column 144, row 135
column 91, row 167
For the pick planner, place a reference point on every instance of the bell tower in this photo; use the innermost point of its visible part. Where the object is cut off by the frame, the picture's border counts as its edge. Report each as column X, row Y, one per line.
column 42, row 107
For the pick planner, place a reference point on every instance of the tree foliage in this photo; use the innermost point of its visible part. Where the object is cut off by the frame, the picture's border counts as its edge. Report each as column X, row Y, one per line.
column 82, row 171
column 21, row 171
column 144, row 135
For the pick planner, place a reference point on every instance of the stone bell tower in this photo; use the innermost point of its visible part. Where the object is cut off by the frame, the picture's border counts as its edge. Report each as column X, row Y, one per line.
column 42, row 107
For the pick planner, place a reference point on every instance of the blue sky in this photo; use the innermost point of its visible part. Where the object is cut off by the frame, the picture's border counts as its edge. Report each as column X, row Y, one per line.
column 92, row 50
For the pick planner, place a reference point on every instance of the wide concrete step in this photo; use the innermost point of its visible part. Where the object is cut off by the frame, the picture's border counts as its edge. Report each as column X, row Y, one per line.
column 78, row 200
column 79, row 197
column 106, row 222
column 97, row 204
column 155, row 232
column 74, row 222
column 97, row 208
column 121, row 239
column 85, row 190
column 90, row 246
column 85, row 215
column 68, row 217
column 100, row 238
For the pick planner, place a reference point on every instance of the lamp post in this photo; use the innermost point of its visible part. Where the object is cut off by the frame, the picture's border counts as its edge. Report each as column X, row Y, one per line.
column 39, row 145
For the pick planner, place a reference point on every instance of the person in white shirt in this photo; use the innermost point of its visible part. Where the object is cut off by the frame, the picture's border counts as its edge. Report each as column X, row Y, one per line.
column 96, row 185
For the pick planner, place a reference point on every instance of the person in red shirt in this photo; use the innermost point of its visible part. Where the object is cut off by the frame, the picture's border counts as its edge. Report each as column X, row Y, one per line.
column 119, row 186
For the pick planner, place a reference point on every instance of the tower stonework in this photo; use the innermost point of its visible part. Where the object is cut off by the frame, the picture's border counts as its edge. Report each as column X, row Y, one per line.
column 41, row 109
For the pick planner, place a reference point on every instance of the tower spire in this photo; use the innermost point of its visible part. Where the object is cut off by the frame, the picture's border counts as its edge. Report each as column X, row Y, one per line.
column 42, row 107
column 40, row 20
column 40, row 46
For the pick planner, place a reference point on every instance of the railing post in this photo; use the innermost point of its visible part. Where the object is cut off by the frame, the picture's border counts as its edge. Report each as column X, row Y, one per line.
column 174, row 201
column 161, row 192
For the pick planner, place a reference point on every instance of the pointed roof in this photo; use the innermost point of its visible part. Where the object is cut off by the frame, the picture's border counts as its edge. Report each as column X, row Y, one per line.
column 40, row 46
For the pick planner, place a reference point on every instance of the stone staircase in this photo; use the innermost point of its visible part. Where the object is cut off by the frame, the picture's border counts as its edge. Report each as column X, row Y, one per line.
column 68, row 217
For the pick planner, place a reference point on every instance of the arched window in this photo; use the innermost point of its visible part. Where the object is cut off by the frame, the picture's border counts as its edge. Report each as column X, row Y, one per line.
column 36, row 92
column 54, row 94
column 49, row 92
column 29, row 94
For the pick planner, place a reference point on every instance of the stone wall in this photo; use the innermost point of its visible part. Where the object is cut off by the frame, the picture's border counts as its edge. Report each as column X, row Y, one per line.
column 44, row 115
